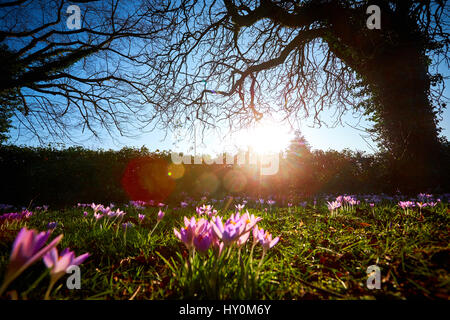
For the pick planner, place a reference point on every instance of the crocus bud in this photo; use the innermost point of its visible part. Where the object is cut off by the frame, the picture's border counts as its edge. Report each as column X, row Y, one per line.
column 160, row 215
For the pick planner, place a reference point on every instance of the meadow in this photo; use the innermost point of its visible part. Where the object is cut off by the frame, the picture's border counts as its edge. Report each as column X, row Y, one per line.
column 231, row 248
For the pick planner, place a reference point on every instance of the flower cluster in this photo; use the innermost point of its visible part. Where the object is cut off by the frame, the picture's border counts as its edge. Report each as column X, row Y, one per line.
column 138, row 204
column 24, row 214
column 206, row 210
column 43, row 208
column 332, row 206
column 29, row 247
column 343, row 202
column 406, row 204
column 204, row 234
column 347, row 200
column 100, row 211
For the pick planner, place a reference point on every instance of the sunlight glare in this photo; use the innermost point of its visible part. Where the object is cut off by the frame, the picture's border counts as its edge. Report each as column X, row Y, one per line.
column 264, row 138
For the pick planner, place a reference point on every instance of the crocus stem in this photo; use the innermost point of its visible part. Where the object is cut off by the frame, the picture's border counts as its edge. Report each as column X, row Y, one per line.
column 229, row 252
column 49, row 289
column 117, row 227
column 260, row 263
column 4, row 286
column 153, row 228
column 11, row 278
column 35, row 283
column 251, row 254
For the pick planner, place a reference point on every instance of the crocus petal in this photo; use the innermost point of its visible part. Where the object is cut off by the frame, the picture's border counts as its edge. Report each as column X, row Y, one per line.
column 274, row 242
column 51, row 258
column 63, row 263
column 177, row 234
column 218, row 228
column 80, row 259
column 15, row 268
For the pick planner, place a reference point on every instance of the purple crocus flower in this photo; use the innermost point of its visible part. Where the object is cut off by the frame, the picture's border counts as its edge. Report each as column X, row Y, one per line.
column 96, row 207
column 141, row 217
column 160, row 215
column 107, row 211
column 119, row 213
column 228, row 232
column 247, row 223
column 333, row 205
column 212, row 213
column 421, row 205
column 202, row 241
column 265, row 238
column 127, row 225
column 206, row 209
column 406, row 204
column 28, row 247
column 52, row 225
column 255, row 233
column 97, row 216
column 138, row 204
column 26, row 213
column 231, row 232
column 183, row 204
column 191, row 229
column 60, row 263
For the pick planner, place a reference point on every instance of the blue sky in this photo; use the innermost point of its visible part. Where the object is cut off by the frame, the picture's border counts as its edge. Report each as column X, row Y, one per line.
column 337, row 138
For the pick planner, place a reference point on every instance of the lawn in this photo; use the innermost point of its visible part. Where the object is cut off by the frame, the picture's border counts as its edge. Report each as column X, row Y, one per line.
column 323, row 252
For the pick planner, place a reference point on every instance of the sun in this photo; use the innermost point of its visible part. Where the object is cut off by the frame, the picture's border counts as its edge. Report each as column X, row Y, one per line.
column 264, row 138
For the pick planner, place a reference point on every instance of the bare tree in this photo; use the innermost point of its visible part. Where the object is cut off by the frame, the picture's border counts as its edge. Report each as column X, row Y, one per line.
column 91, row 78
column 238, row 60
column 178, row 63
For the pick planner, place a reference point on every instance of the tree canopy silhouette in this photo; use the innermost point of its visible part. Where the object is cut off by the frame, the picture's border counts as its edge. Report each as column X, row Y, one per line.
column 60, row 78
column 185, row 63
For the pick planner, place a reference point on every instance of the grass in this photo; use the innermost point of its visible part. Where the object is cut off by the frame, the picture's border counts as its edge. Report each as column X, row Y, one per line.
column 319, row 256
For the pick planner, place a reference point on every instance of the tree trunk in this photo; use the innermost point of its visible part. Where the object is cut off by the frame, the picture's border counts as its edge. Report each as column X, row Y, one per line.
column 407, row 122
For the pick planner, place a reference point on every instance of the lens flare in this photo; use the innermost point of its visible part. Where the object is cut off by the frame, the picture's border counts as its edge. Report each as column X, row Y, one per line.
column 147, row 179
